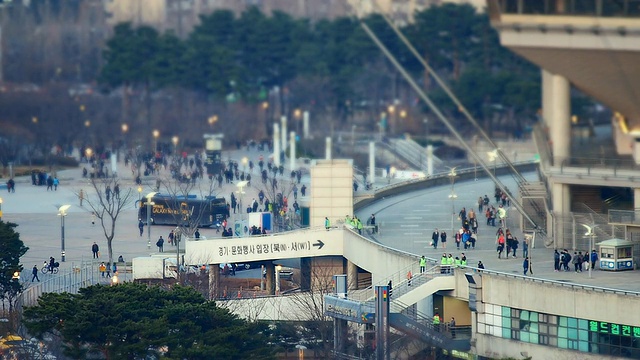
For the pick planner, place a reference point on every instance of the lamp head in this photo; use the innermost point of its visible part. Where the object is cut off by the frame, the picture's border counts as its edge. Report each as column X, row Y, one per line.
column 63, row 209
column 151, row 195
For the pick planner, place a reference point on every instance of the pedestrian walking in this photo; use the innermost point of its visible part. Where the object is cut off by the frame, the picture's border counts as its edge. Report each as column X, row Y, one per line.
column 102, row 268
column 435, row 236
column 160, row 244
column 81, row 196
column 525, row 265
column 56, row 182
column 327, row 223
column 95, row 250
column 34, row 271
column 171, row 237
column 443, row 239
column 140, row 226
column 390, row 288
column 556, row 261
column 594, row 258
column 409, row 277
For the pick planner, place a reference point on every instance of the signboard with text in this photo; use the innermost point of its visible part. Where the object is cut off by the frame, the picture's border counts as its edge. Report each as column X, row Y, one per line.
column 305, row 243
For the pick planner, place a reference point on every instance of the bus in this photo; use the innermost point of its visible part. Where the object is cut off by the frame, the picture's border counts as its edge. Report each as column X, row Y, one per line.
column 184, row 211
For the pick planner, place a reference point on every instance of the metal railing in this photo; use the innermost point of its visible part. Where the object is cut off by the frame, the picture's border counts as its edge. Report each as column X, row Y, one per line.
column 605, row 8
column 69, row 280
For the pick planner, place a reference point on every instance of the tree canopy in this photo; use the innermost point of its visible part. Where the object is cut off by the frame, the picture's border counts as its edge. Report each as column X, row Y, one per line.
column 11, row 250
column 237, row 57
column 133, row 321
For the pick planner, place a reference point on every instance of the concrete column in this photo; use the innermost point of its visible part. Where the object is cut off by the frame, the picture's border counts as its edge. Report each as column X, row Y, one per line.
column 429, row 160
column 547, row 97
column 214, row 280
column 292, row 150
column 636, row 199
column 327, row 148
column 305, row 273
column 352, row 276
column 276, row 144
column 372, row 162
column 283, row 124
column 561, row 206
column 560, row 120
column 271, row 285
column 305, row 124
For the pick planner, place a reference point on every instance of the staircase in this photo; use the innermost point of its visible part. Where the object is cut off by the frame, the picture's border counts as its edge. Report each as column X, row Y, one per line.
column 534, row 201
column 403, row 316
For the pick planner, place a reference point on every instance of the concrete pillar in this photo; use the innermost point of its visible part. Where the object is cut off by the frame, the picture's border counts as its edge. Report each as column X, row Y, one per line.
column 214, row 280
column 561, row 207
column 429, row 160
column 352, row 276
column 292, row 150
column 305, row 274
column 372, row 162
column 271, row 285
column 276, row 144
column 636, row 199
column 547, row 97
column 560, row 130
column 283, row 124
column 305, row 124
column 327, row 148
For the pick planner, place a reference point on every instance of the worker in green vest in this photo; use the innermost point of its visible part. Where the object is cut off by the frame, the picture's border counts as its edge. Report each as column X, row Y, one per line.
column 457, row 262
column 443, row 264
column 463, row 260
column 423, row 264
column 450, row 262
column 436, row 322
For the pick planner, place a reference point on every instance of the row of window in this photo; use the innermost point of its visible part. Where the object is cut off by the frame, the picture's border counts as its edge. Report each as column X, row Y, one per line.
column 560, row 331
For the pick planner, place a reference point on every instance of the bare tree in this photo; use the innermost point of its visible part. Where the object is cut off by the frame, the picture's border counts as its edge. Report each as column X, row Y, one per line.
column 106, row 203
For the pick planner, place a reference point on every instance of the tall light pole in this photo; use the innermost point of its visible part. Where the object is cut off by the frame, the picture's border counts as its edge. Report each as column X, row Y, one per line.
column 150, row 204
column 241, row 185
column 493, row 157
column 452, row 176
column 62, row 212
column 591, row 234
column 139, row 193
column 175, row 140
column 156, row 135
column 125, row 128
column 0, row 209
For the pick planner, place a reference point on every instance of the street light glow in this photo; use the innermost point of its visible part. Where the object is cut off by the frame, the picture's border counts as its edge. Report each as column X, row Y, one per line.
column 62, row 212
column 156, row 133
column 125, row 128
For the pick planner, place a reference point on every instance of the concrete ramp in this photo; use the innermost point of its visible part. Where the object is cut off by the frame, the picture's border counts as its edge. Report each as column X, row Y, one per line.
column 420, row 290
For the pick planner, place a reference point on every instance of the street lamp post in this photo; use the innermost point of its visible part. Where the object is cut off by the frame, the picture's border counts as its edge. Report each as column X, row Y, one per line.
column 0, row 209
column 125, row 128
column 156, row 135
column 212, row 120
column 62, row 212
column 175, row 140
column 150, row 204
column 493, row 157
column 591, row 234
column 139, row 193
column 452, row 175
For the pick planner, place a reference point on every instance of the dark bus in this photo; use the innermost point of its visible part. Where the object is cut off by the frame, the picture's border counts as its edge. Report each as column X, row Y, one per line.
column 183, row 211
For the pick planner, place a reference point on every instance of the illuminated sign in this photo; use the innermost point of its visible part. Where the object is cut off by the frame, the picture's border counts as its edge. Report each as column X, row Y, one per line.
column 602, row 327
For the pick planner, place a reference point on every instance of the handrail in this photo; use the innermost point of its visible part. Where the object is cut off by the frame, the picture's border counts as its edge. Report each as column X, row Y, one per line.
column 554, row 282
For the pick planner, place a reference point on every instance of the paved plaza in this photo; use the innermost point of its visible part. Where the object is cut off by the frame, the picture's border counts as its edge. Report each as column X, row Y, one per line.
column 407, row 221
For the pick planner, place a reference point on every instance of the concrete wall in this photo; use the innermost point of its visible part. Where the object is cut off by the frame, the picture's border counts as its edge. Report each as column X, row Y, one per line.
column 331, row 191
column 495, row 347
column 560, row 300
